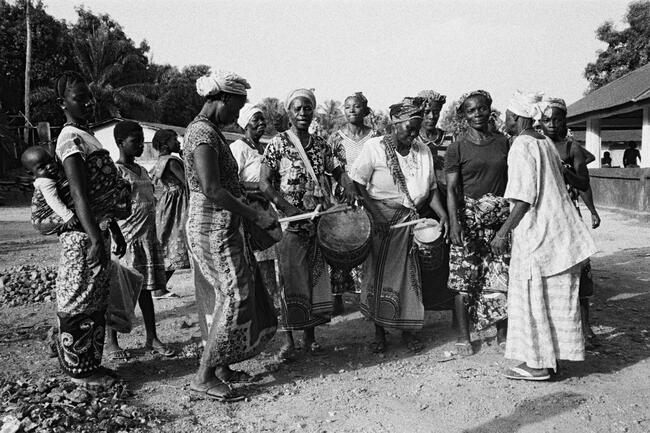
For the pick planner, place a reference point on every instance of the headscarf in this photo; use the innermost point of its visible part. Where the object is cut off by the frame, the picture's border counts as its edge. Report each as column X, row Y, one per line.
column 300, row 93
column 358, row 96
column 465, row 96
column 246, row 114
column 432, row 97
column 409, row 108
column 550, row 103
column 221, row 81
column 526, row 104
column 125, row 128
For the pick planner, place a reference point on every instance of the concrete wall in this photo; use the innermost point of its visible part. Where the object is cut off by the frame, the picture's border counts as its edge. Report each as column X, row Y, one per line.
column 622, row 189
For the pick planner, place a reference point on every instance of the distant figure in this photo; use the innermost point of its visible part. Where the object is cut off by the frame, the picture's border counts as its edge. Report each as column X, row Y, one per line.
column 606, row 160
column 630, row 156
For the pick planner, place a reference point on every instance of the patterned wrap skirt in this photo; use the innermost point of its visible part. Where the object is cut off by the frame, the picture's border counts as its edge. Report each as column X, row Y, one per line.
column 82, row 293
column 171, row 213
column 391, row 290
column 306, row 294
column 474, row 269
column 236, row 315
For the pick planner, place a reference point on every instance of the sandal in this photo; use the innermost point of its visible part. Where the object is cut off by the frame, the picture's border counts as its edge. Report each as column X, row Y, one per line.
column 237, row 376
column 378, row 346
column 287, row 354
column 501, row 347
column 215, row 391
column 464, row 349
column 524, row 372
column 313, row 348
column 102, row 378
column 118, row 355
column 163, row 350
column 166, row 295
column 413, row 344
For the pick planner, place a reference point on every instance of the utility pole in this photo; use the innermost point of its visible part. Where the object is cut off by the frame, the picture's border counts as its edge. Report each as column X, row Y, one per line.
column 28, row 67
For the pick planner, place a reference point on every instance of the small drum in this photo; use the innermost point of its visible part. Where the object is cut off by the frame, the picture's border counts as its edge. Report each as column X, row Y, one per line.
column 344, row 238
column 259, row 238
column 430, row 243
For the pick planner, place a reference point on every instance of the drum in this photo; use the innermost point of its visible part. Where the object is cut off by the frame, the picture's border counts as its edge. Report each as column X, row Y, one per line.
column 259, row 238
column 427, row 236
column 344, row 237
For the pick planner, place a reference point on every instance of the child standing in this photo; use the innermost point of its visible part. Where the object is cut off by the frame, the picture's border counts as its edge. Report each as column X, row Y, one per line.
column 139, row 230
column 171, row 210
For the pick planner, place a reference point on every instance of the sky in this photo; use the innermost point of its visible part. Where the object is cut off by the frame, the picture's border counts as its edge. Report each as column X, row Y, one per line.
column 386, row 48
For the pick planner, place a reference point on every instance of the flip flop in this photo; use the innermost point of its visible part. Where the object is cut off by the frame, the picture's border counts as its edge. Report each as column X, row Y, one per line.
column 464, row 345
column 501, row 347
column 167, row 295
column 237, row 376
column 205, row 391
column 103, row 378
column 523, row 372
column 414, row 345
column 287, row 354
column 118, row 355
column 165, row 351
column 313, row 348
column 378, row 346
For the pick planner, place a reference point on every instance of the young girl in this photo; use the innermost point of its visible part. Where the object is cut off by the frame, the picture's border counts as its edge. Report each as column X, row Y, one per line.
column 171, row 210
column 139, row 230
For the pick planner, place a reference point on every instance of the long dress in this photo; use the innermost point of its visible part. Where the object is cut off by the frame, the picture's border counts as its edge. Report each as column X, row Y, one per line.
column 81, row 289
column 236, row 315
column 143, row 252
column 346, row 150
column 306, row 299
column 475, row 270
column 391, row 291
column 543, row 306
column 171, row 213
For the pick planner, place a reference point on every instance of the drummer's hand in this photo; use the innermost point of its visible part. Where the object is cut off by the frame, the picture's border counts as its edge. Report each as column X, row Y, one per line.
column 349, row 193
column 444, row 223
column 456, row 234
column 265, row 220
column 499, row 244
column 595, row 220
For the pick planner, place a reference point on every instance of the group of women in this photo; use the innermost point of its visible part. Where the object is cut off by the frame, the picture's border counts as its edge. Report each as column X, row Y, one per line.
column 398, row 177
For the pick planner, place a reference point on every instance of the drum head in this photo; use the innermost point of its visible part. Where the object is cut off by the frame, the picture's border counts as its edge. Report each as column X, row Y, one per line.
column 344, row 231
column 427, row 232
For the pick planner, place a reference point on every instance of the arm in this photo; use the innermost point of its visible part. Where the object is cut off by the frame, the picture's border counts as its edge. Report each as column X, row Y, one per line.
column 436, row 205
column 75, row 171
column 266, row 176
column 51, row 196
column 453, row 192
column 118, row 238
column 380, row 224
column 588, row 199
column 500, row 242
column 580, row 178
column 206, row 163
column 177, row 169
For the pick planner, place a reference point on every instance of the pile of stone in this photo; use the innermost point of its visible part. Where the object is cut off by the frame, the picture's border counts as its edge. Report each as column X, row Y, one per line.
column 23, row 285
column 57, row 405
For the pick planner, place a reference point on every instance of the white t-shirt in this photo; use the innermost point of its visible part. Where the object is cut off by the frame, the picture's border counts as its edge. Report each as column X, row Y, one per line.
column 73, row 140
column 370, row 169
column 47, row 187
column 248, row 160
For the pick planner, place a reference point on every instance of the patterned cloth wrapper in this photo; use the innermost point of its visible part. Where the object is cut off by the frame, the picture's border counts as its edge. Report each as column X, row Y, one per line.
column 109, row 194
column 474, row 269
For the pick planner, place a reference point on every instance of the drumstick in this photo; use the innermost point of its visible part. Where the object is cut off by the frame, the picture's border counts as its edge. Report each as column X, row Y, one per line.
column 408, row 223
column 316, row 212
column 310, row 215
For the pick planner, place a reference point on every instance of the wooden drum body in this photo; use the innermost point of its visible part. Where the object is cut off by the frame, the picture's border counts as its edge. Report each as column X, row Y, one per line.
column 427, row 235
column 344, row 237
column 259, row 238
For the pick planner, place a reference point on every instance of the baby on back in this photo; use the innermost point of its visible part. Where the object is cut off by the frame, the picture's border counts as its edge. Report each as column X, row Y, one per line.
column 40, row 164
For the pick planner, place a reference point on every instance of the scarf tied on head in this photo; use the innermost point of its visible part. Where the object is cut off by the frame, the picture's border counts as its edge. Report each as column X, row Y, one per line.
column 246, row 114
column 409, row 108
column 300, row 93
column 221, row 81
column 526, row 105
column 432, row 97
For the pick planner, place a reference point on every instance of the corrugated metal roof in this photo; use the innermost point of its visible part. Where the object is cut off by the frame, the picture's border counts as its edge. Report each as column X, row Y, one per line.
column 628, row 89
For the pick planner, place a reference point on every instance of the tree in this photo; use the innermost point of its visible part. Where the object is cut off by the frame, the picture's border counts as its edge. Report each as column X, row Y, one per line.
column 275, row 115
column 627, row 49
column 330, row 116
column 379, row 121
column 179, row 102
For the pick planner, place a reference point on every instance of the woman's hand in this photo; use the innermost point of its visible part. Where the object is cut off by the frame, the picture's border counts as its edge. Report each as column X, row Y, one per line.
column 595, row 220
column 444, row 224
column 120, row 244
column 499, row 244
column 349, row 191
column 97, row 253
column 265, row 220
column 456, row 233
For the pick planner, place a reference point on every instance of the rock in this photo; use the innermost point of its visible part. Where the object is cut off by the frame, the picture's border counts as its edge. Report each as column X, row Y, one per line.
column 10, row 424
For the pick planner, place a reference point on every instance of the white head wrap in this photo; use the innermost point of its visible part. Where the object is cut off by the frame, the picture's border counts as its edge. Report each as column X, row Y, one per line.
column 526, row 105
column 221, row 81
column 246, row 114
column 549, row 103
column 300, row 93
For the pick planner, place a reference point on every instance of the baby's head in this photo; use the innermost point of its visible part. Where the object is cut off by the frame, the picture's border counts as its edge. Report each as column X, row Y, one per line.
column 129, row 138
column 38, row 161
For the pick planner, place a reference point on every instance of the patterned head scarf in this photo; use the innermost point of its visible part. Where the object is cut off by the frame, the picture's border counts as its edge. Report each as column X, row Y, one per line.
column 432, row 97
column 465, row 96
column 300, row 93
column 221, row 81
column 549, row 103
column 246, row 114
column 526, row 105
column 409, row 108
column 359, row 97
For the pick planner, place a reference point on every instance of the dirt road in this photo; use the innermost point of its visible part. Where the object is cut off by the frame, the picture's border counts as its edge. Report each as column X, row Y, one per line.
column 349, row 389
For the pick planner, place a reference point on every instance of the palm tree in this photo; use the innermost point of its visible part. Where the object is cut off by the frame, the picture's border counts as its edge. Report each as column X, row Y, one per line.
column 330, row 115
column 102, row 60
column 275, row 115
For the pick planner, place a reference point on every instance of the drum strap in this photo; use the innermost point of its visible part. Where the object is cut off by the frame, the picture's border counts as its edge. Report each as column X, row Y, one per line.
column 318, row 192
column 396, row 170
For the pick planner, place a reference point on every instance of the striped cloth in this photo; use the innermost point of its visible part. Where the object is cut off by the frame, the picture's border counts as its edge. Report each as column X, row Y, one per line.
column 544, row 319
